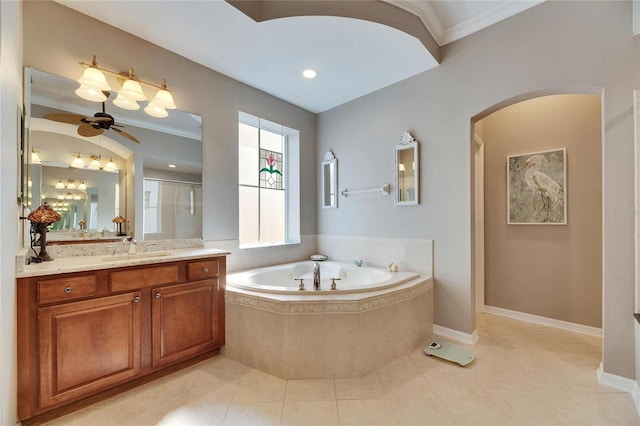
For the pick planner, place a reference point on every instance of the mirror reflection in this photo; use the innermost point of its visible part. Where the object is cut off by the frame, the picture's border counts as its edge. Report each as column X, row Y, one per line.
column 329, row 181
column 406, row 171
column 92, row 177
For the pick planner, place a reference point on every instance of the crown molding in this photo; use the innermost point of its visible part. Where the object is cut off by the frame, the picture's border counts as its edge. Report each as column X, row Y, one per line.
column 426, row 14
column 430, row 19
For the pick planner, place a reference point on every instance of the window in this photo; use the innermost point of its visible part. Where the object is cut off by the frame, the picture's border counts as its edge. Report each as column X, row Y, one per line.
column 269, row 184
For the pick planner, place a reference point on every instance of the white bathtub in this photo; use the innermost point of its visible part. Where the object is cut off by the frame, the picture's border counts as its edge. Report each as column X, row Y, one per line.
column 352, row 279
column 375, row 316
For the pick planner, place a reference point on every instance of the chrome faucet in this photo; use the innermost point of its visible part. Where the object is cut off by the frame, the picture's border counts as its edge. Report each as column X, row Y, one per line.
column 316, row 276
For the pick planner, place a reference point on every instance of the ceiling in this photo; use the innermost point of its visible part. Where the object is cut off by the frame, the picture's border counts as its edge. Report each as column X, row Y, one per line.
column 353, row 57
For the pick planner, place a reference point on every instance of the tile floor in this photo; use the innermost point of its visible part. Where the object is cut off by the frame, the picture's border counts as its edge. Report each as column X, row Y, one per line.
column 524, row 374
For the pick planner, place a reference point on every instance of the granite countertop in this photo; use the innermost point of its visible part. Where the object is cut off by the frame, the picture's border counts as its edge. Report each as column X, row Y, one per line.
column 90, row 263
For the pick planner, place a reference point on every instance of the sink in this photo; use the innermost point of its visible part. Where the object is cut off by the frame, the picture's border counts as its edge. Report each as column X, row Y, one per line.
column 147, row 255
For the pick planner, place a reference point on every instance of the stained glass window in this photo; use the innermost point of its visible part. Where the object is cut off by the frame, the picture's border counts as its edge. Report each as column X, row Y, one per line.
column 262, row 175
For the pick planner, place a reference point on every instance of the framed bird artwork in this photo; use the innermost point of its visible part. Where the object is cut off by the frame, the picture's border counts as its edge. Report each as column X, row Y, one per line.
column 537, row 188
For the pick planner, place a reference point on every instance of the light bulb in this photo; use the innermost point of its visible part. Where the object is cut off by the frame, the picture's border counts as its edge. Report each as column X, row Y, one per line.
column 94, row 79
column 131, row 89
column 156, row 110
column 90, row 94
column 125, row 103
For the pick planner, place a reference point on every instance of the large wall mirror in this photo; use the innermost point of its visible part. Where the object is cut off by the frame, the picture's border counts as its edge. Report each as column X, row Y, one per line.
column 155, row 184
column 406, row 171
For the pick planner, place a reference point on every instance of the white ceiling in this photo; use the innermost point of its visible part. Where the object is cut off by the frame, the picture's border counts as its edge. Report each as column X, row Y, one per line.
column 353, row 57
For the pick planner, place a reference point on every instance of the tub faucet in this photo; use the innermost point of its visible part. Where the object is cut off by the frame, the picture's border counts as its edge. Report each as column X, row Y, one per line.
column 316, row 276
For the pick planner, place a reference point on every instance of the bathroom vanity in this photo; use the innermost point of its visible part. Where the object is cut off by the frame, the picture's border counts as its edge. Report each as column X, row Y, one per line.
column 86, row 326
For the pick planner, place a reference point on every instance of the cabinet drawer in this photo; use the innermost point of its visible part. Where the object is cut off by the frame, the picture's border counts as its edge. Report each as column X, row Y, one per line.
column 202, row 270
column 64, row 289
column 132, row 279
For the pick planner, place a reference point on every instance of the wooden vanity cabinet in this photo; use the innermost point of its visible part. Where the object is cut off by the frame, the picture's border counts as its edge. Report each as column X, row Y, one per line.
column 83, row 333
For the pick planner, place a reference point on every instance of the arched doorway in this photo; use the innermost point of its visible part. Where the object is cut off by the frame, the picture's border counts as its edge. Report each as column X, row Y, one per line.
column 540, row 272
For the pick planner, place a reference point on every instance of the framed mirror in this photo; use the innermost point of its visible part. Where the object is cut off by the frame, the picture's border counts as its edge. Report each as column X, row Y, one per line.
column 168, row 149
column 406, row 171
column 329, row 181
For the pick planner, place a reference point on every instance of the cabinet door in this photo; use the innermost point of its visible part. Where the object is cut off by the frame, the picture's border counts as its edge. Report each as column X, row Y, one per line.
column 184, row 321
column 87, row 346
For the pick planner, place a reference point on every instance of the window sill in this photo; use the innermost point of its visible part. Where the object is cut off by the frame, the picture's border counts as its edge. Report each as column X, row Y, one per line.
column 267, row 245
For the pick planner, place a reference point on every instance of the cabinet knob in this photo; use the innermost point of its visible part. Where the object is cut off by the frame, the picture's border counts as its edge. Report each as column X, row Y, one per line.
column 68, row 290
column 136, row 299
column 205, row 269
column 158, row 295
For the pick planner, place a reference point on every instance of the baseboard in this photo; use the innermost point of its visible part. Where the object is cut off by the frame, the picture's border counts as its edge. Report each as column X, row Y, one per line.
column 578, row 328
column 450, row 333
column 635, row 394
column 617, row 382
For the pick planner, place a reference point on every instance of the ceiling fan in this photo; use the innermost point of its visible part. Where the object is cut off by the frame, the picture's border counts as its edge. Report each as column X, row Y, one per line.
column 92, row 126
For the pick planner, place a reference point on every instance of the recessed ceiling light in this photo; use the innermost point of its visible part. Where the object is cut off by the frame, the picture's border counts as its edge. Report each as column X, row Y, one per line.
column 173, row 166
column 310, row 73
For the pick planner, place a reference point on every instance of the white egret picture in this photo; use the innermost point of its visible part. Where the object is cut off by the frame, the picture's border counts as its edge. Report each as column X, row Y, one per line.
column 536, row 188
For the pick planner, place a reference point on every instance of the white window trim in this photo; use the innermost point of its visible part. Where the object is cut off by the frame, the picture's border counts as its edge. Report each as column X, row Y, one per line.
column 292, row 178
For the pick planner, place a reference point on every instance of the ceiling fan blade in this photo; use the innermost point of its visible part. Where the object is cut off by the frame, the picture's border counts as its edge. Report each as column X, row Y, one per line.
column 88, row 130
column 125, row 134
column 66, row 118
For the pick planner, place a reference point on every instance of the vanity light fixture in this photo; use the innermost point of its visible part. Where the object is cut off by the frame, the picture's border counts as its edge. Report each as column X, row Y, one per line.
column 71, row 185
column 77, row 197
column 93, row 83
column 60, row 196
column 82, row 186
column 309, row 73
column 59, row 185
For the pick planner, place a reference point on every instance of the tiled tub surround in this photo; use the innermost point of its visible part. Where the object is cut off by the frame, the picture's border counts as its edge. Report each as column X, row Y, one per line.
column 308, row 336
column 414, row 255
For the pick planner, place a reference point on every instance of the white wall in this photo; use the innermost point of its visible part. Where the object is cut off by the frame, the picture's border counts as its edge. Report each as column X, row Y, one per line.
column 539, row 50
column 10, row 106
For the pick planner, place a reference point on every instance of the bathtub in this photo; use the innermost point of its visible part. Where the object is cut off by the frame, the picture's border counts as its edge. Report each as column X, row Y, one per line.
column 373, row 317
column 349, row 278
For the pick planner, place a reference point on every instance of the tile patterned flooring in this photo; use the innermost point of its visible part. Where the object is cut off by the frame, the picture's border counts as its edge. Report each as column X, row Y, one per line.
column 524, row 374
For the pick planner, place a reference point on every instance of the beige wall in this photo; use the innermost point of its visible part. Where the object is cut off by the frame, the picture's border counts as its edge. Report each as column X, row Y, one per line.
column 553, row 271
column 536, row 52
